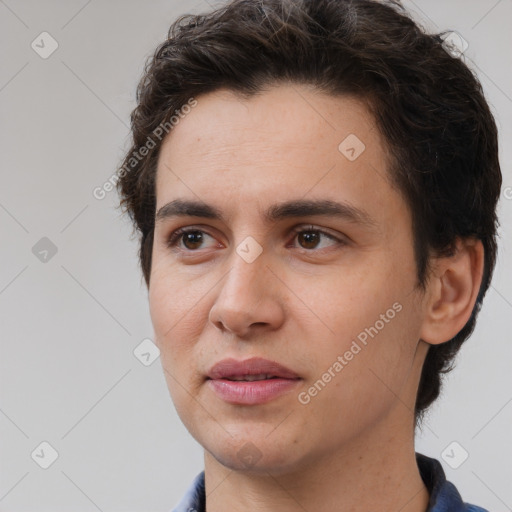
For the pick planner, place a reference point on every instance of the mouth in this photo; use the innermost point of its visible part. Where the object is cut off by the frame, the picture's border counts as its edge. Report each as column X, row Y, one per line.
column 250, row 382
column 255, row 368
column 252, row 378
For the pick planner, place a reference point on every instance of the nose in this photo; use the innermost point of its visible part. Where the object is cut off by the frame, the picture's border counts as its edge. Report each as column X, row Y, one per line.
column 250, row 298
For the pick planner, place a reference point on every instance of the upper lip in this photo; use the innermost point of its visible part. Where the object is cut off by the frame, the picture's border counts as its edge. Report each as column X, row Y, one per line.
column 254, row 366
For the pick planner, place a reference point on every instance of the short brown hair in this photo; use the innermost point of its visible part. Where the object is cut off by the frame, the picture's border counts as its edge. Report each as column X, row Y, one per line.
column 427, row 103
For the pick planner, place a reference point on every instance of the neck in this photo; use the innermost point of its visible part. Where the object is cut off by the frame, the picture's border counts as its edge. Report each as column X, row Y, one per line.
column 377, row 471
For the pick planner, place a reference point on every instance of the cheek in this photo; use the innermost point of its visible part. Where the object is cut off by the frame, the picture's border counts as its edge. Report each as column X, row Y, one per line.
column 374, row 329
column 350, row 301
column 162, row 309
column 178, row 313
column 174, row 336
column 173, row 303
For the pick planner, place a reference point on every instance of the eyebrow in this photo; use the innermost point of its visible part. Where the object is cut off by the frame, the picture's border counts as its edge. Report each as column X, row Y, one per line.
column 288, row 209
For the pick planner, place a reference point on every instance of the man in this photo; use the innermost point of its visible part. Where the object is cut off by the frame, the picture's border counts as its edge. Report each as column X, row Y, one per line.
column 315, row 184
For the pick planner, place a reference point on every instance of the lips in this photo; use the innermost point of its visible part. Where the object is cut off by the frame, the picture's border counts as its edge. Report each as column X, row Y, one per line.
column 251, row 382
column 255, row 368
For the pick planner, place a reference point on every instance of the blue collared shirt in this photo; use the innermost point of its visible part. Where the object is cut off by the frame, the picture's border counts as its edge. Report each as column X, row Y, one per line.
column 444, row 496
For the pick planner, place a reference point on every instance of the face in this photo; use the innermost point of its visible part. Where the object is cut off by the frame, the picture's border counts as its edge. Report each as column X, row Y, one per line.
column 328, row 293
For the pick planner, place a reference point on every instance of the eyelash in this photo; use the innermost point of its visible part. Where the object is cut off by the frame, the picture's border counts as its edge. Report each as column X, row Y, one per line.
column 175, row 237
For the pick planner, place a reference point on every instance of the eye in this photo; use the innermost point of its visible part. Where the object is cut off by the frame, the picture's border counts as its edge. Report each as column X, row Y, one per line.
column 191, row 238
column 310, row 237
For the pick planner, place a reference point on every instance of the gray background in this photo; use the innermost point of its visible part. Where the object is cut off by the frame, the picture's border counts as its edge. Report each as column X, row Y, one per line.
column 69, row 325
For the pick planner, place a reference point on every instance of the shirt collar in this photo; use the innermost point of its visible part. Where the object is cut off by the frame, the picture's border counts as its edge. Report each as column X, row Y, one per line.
column 444, row 496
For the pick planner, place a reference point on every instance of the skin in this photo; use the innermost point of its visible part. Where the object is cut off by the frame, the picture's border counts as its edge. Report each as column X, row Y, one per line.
column 298, row 303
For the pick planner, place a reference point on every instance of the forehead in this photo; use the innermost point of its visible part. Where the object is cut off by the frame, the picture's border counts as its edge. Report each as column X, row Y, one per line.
column 289, row 140
column 279, row 118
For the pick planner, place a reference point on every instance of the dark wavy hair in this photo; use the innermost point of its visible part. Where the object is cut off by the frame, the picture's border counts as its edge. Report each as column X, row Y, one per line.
column 427, row 103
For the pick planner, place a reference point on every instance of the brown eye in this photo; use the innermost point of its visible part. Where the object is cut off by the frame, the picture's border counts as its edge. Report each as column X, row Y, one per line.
column 311, row 237
column 192, row 239
column 187, row 239
column 308, row 239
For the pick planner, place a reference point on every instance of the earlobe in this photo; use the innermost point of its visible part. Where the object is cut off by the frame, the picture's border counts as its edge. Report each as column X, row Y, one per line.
column 453, row 289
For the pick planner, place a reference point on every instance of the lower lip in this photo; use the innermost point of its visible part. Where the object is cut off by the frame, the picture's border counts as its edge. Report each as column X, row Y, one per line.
column 251, row 392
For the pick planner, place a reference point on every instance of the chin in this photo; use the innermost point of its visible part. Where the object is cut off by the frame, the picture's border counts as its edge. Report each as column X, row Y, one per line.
column 255, row 454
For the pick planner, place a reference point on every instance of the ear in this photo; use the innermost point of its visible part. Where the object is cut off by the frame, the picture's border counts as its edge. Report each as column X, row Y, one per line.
column 452, row 291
